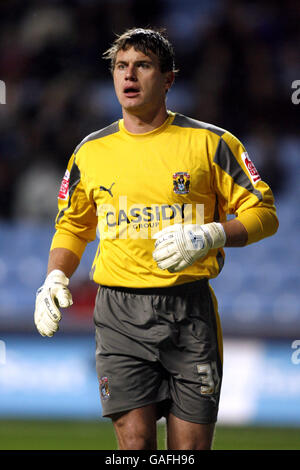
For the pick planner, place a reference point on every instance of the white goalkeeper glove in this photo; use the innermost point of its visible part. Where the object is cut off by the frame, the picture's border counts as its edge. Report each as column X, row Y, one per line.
column 178, row 246
column 53, row 294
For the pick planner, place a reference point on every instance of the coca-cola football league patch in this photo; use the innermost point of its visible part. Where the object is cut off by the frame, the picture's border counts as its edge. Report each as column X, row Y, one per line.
column 252, row 171
column 64, row 187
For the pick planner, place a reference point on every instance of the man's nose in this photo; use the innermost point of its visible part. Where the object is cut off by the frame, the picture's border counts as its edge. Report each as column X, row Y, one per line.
column 130, row 72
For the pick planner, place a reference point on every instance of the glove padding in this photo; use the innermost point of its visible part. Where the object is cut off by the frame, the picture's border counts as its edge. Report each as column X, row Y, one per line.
column 53, row 294
column 178, row 246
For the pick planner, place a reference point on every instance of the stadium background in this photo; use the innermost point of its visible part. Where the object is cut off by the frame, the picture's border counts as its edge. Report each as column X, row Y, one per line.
column 237, row 63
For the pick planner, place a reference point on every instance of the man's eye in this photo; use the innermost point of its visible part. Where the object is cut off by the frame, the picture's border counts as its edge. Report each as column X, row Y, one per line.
column 120, row 66
column 144, row 65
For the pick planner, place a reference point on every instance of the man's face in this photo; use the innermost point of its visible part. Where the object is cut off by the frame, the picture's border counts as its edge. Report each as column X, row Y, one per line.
column 139, row 84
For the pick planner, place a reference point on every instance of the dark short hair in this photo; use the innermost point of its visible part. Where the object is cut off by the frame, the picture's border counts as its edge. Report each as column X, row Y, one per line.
column 144, row 40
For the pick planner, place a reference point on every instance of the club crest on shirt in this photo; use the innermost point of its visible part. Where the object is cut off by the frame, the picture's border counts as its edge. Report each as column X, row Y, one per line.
column 104, row 388
column 181, row 182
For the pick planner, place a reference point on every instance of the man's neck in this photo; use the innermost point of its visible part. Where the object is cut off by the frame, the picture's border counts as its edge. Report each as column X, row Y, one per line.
column 146, row 122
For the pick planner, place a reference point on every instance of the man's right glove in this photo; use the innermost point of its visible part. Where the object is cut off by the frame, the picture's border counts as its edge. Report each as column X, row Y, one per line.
column 53, row 294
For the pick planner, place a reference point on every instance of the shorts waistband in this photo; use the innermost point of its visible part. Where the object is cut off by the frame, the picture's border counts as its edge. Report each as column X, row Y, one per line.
column 180, row 289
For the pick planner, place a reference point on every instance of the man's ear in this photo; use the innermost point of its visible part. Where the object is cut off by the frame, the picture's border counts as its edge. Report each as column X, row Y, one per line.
column 169, row 80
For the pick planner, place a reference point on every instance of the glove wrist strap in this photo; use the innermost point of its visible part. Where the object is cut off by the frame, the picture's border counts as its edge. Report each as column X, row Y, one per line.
column 215, row 233
column 57, row 273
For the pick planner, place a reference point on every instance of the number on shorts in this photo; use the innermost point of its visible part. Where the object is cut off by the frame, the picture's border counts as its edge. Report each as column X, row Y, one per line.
column 210, row 378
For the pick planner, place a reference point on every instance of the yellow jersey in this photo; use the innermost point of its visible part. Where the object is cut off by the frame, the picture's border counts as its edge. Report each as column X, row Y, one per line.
column 126, row 187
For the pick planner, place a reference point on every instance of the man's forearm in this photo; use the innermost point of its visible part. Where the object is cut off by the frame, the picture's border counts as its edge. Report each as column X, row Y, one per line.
column 236, row 234
column 64, row 260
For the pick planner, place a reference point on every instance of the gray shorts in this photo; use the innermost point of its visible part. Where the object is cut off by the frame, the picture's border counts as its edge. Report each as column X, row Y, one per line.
column 160, row 345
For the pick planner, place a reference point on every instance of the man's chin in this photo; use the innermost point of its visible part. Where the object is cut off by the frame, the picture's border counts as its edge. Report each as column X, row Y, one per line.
column 133, row 107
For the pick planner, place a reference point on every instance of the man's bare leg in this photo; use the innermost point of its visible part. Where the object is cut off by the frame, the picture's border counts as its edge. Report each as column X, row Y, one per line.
column 136, row 429
column 184, row 435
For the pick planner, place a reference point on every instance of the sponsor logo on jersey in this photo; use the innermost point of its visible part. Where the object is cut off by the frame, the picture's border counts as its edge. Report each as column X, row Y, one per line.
column 145, row 214
column 104, row 388
column 253, row 173
column 181, row 182
column 64, row 187
column 142, row 221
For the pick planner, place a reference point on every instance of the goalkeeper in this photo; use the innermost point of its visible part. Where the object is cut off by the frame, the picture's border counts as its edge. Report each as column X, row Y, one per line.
column 158, row 186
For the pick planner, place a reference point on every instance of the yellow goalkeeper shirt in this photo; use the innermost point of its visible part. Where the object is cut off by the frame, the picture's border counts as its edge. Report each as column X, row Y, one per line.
column 125, row 187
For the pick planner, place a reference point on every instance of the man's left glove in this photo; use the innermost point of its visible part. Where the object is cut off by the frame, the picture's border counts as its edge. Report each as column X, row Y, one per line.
column 179, row 245
column 53, row 294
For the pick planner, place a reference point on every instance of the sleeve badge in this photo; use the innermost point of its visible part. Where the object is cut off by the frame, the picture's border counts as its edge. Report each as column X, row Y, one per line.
column 64, row 187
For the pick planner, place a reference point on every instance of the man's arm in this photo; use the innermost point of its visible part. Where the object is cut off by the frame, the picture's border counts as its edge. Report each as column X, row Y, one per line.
column 75, row 226
column 64, row 260
column 241, row 191
column 236, row 234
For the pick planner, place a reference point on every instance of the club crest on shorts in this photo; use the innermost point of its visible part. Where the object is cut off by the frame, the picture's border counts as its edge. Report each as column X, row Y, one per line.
column 181, row 182
column 104, row 388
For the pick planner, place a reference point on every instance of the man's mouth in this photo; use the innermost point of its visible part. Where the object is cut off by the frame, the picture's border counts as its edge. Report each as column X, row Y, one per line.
column 131, row 91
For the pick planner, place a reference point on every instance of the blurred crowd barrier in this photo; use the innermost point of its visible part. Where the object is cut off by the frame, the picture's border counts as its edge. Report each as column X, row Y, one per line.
column 55, row 379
